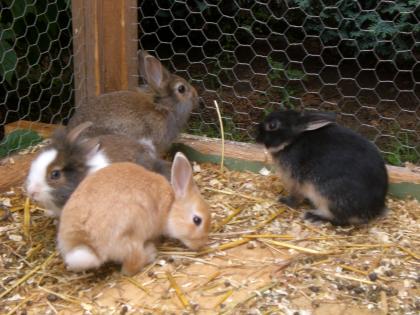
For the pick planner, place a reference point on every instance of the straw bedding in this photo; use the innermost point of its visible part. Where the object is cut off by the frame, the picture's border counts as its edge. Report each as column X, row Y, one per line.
column 262, row 259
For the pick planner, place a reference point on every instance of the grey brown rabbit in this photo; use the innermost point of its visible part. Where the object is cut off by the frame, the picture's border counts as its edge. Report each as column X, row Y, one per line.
column 153, row 115
column 60, row 167
column 341, row 173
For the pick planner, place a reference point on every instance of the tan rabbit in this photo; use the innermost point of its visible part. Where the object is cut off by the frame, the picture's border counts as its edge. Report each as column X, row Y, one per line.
column 153, row 115
column 116, row 213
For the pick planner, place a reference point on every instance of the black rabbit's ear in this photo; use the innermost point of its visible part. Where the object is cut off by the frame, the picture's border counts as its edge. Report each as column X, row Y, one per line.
column 153, row 71
column 315, row 120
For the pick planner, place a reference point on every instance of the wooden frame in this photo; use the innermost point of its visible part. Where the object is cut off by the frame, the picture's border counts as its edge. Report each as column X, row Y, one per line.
column 239, row 151
column 105, row 46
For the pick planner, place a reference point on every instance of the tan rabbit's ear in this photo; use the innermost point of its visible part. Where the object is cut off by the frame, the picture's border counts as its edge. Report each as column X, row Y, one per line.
column 153, row 71
column 181, row 175
column 76, row 131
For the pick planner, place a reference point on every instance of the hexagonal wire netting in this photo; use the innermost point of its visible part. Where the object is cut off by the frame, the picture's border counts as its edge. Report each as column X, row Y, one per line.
column 36, row 69
column 357, row 58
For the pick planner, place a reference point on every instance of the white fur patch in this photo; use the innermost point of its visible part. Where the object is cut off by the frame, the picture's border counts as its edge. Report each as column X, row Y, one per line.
column 81, row 258
column 36, row 185
column 97, row 161
column 278, row 148
column 148, row 143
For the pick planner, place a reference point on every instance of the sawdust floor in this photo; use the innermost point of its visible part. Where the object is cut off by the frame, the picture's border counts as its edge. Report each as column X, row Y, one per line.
column 262, row 259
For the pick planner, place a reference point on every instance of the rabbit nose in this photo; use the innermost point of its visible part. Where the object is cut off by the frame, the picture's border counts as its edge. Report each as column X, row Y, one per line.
column 32, row 192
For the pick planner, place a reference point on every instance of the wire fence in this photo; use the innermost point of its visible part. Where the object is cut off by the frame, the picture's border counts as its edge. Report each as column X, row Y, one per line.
column 357, row 58
column 36, row 70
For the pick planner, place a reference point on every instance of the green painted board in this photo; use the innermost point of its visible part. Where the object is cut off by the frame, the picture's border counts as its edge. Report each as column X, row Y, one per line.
column 18, row 140
column 400, row 190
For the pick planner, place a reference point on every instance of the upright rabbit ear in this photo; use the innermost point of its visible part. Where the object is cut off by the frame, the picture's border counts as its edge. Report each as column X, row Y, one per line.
column 152, row 70
column 181, row 175
column 76, row 131
column 91, row 146
column 315, row 120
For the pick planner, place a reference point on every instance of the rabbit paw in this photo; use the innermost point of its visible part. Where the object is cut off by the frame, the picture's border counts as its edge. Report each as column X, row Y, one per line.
column 150, row 252
column 291, row 201
column 137, row 259
column 317, row 216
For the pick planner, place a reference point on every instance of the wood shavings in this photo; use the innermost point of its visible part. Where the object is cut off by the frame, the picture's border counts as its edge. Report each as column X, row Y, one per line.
column 256, row 242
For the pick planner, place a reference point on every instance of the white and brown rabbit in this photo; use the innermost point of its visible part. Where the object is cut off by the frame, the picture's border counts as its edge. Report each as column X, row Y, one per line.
column 154, row 115
column 341, row 173
column 117, row 213
column 60, row 167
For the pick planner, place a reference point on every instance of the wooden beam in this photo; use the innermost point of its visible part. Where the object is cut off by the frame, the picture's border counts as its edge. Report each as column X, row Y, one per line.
column 87, row 79
column 236, row 150
column 105, row 46
column 256, row 153
column 14, row 171
column 119, row 45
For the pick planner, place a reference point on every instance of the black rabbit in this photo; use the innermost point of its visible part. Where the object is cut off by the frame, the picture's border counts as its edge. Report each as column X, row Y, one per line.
column 341, row 173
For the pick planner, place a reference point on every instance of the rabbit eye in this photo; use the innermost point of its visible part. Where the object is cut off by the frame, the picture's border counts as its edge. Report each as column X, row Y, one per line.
column 55, row 174
column 181, row 89
column 197, row 220
column 272, row 125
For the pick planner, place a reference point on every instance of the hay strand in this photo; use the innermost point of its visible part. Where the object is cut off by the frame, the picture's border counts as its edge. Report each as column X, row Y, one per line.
column 211, row 278
column 137, row 284
column 222, row 134
column 360, row 272
column 223, row 298
column 17, row 307
column 298, row 248
column 64, row 297
column 234, row 193
column 271, row 218
column 224, row 246
column 346, row 277
column 228, row 219
column 26, row 218
column 256, row 293
column 280, row 236
column 28, row 275
column 383, row 303
column 182, row 298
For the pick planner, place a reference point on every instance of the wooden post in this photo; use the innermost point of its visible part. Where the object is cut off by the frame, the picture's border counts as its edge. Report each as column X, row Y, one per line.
column 104, row 46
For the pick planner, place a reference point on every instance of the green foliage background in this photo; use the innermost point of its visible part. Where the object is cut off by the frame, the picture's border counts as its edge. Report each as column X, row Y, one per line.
column 36, row 72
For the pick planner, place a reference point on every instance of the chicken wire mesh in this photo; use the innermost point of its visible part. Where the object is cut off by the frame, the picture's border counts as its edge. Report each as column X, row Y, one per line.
column 357, row 58
column 36, row 71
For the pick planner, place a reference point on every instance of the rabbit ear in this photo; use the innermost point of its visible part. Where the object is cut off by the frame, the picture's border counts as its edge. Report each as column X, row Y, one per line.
column 316, row 120
column 181, row 175
column 76, row 131
column 152, row 70
column 91, row 146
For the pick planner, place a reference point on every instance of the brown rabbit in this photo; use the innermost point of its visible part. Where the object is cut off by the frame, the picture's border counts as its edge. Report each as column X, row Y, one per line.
column 116, row 214
column 60, row 167
column 154, row 115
